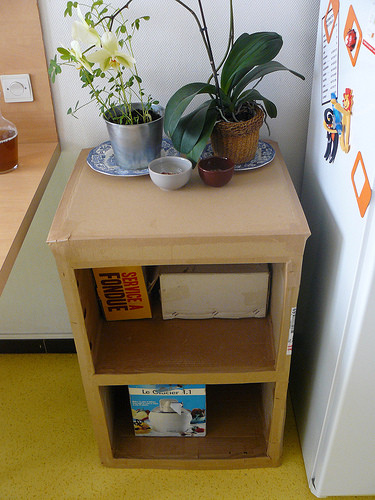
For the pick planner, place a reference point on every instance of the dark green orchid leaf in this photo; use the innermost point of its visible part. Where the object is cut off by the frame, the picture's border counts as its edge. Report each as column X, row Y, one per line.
column 194, row 127
column 196, row 124
column 254, row 95
column 210, row 121
column 259, row 72
column 269, row 47
column 259, row 48
column 249, row 51
column 178, row 103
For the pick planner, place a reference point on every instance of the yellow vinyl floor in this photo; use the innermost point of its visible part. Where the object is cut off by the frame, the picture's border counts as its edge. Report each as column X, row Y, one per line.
column 48, row 451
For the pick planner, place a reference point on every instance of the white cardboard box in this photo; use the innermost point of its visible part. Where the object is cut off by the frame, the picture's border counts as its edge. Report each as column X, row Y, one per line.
column 213, row 291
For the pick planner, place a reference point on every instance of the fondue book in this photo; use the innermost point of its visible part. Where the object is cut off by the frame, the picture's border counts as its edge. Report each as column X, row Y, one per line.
column 122, row 292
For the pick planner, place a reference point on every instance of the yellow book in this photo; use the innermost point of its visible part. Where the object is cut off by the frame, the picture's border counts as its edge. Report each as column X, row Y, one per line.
column 123, row 292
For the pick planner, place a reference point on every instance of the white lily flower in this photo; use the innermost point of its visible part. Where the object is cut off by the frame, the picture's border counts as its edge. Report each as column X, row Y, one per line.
column 83, row 32
column 109, row 56
column 77, row 54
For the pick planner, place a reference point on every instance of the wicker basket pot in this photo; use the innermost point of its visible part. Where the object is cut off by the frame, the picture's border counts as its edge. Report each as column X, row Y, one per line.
column 237, row 140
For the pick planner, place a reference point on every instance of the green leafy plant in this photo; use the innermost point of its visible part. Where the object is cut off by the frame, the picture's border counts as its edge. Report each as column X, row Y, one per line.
column 246, row 61
column 106, row 66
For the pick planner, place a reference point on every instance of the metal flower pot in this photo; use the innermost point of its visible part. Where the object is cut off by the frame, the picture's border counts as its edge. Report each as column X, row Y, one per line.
column 135, row 146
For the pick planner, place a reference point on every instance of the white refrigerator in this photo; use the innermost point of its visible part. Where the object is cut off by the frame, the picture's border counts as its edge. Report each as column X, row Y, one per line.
column 333, row 364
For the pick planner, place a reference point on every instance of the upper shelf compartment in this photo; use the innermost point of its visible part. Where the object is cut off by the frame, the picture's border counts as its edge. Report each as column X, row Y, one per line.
column 177, row 350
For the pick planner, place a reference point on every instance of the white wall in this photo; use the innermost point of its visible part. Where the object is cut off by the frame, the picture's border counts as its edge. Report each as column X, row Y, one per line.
column 169, row 53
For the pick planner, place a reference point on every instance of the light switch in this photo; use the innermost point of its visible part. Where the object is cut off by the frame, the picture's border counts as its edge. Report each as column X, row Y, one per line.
column 17, row 88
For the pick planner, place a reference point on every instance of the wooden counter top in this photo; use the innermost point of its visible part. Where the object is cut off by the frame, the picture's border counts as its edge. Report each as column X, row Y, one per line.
column 38, row 148
column 20, row 193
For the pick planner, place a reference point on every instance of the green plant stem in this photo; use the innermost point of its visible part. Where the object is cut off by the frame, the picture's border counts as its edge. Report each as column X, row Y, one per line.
column 112, row 17
column 204, row 32
column 97, row 97
column 230, row 39
column 201, row 28
column 126, row 102
column 145, row 113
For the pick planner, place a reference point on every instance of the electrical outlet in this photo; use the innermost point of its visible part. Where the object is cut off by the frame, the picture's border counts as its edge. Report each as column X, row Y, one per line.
column 17, row 88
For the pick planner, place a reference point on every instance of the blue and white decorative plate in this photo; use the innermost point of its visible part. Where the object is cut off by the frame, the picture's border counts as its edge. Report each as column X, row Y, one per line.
column 102, row 160
column 265, row 154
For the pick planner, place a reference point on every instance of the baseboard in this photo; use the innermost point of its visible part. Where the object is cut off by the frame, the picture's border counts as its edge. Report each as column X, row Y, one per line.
column 34, row 346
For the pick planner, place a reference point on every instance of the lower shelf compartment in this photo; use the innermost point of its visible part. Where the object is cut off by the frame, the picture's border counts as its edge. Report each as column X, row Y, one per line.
column 238, row 421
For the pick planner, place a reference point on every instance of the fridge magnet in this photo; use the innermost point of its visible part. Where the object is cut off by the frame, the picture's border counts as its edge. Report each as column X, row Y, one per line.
column 369, row 36
column 337, row 125
column 361, row 185
column 332, row 136
column 342, row 116
column 330, row 52
column 352, row 36
column 330, row 18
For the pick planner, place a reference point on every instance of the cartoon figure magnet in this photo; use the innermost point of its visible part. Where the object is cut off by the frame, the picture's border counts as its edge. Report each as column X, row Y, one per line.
column 332, row 136
column 337, row 124
column 343, row 125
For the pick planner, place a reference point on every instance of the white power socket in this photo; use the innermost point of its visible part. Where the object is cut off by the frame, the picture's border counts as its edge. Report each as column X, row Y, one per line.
column 17, row 88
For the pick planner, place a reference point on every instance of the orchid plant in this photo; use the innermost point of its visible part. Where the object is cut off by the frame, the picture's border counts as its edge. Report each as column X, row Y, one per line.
column 245, row 63
column 106, row 63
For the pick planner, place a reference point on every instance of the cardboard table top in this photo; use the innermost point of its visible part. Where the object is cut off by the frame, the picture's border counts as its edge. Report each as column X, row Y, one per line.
column 259, row 202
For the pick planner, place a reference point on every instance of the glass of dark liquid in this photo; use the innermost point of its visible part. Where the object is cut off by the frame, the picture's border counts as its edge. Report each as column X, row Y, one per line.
column 8, row 145
column 8, row 150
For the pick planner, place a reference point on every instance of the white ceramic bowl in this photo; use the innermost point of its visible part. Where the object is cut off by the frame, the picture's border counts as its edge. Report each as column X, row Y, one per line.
column 170, row 172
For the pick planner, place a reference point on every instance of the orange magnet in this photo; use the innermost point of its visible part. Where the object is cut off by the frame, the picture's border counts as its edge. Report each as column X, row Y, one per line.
column 362, row 188
column 352, row 35
column 333, row 6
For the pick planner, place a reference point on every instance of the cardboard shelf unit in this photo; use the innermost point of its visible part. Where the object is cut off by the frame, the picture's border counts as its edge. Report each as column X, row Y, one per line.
column 243, row 362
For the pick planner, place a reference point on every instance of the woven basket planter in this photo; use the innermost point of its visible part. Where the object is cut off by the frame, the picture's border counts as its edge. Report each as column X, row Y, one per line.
column 237, row 140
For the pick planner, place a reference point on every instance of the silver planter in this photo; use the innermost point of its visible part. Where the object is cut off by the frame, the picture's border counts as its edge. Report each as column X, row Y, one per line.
column 135, row 146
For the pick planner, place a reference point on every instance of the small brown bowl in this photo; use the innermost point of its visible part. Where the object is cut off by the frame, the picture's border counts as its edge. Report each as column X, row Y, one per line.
column 216, row 171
